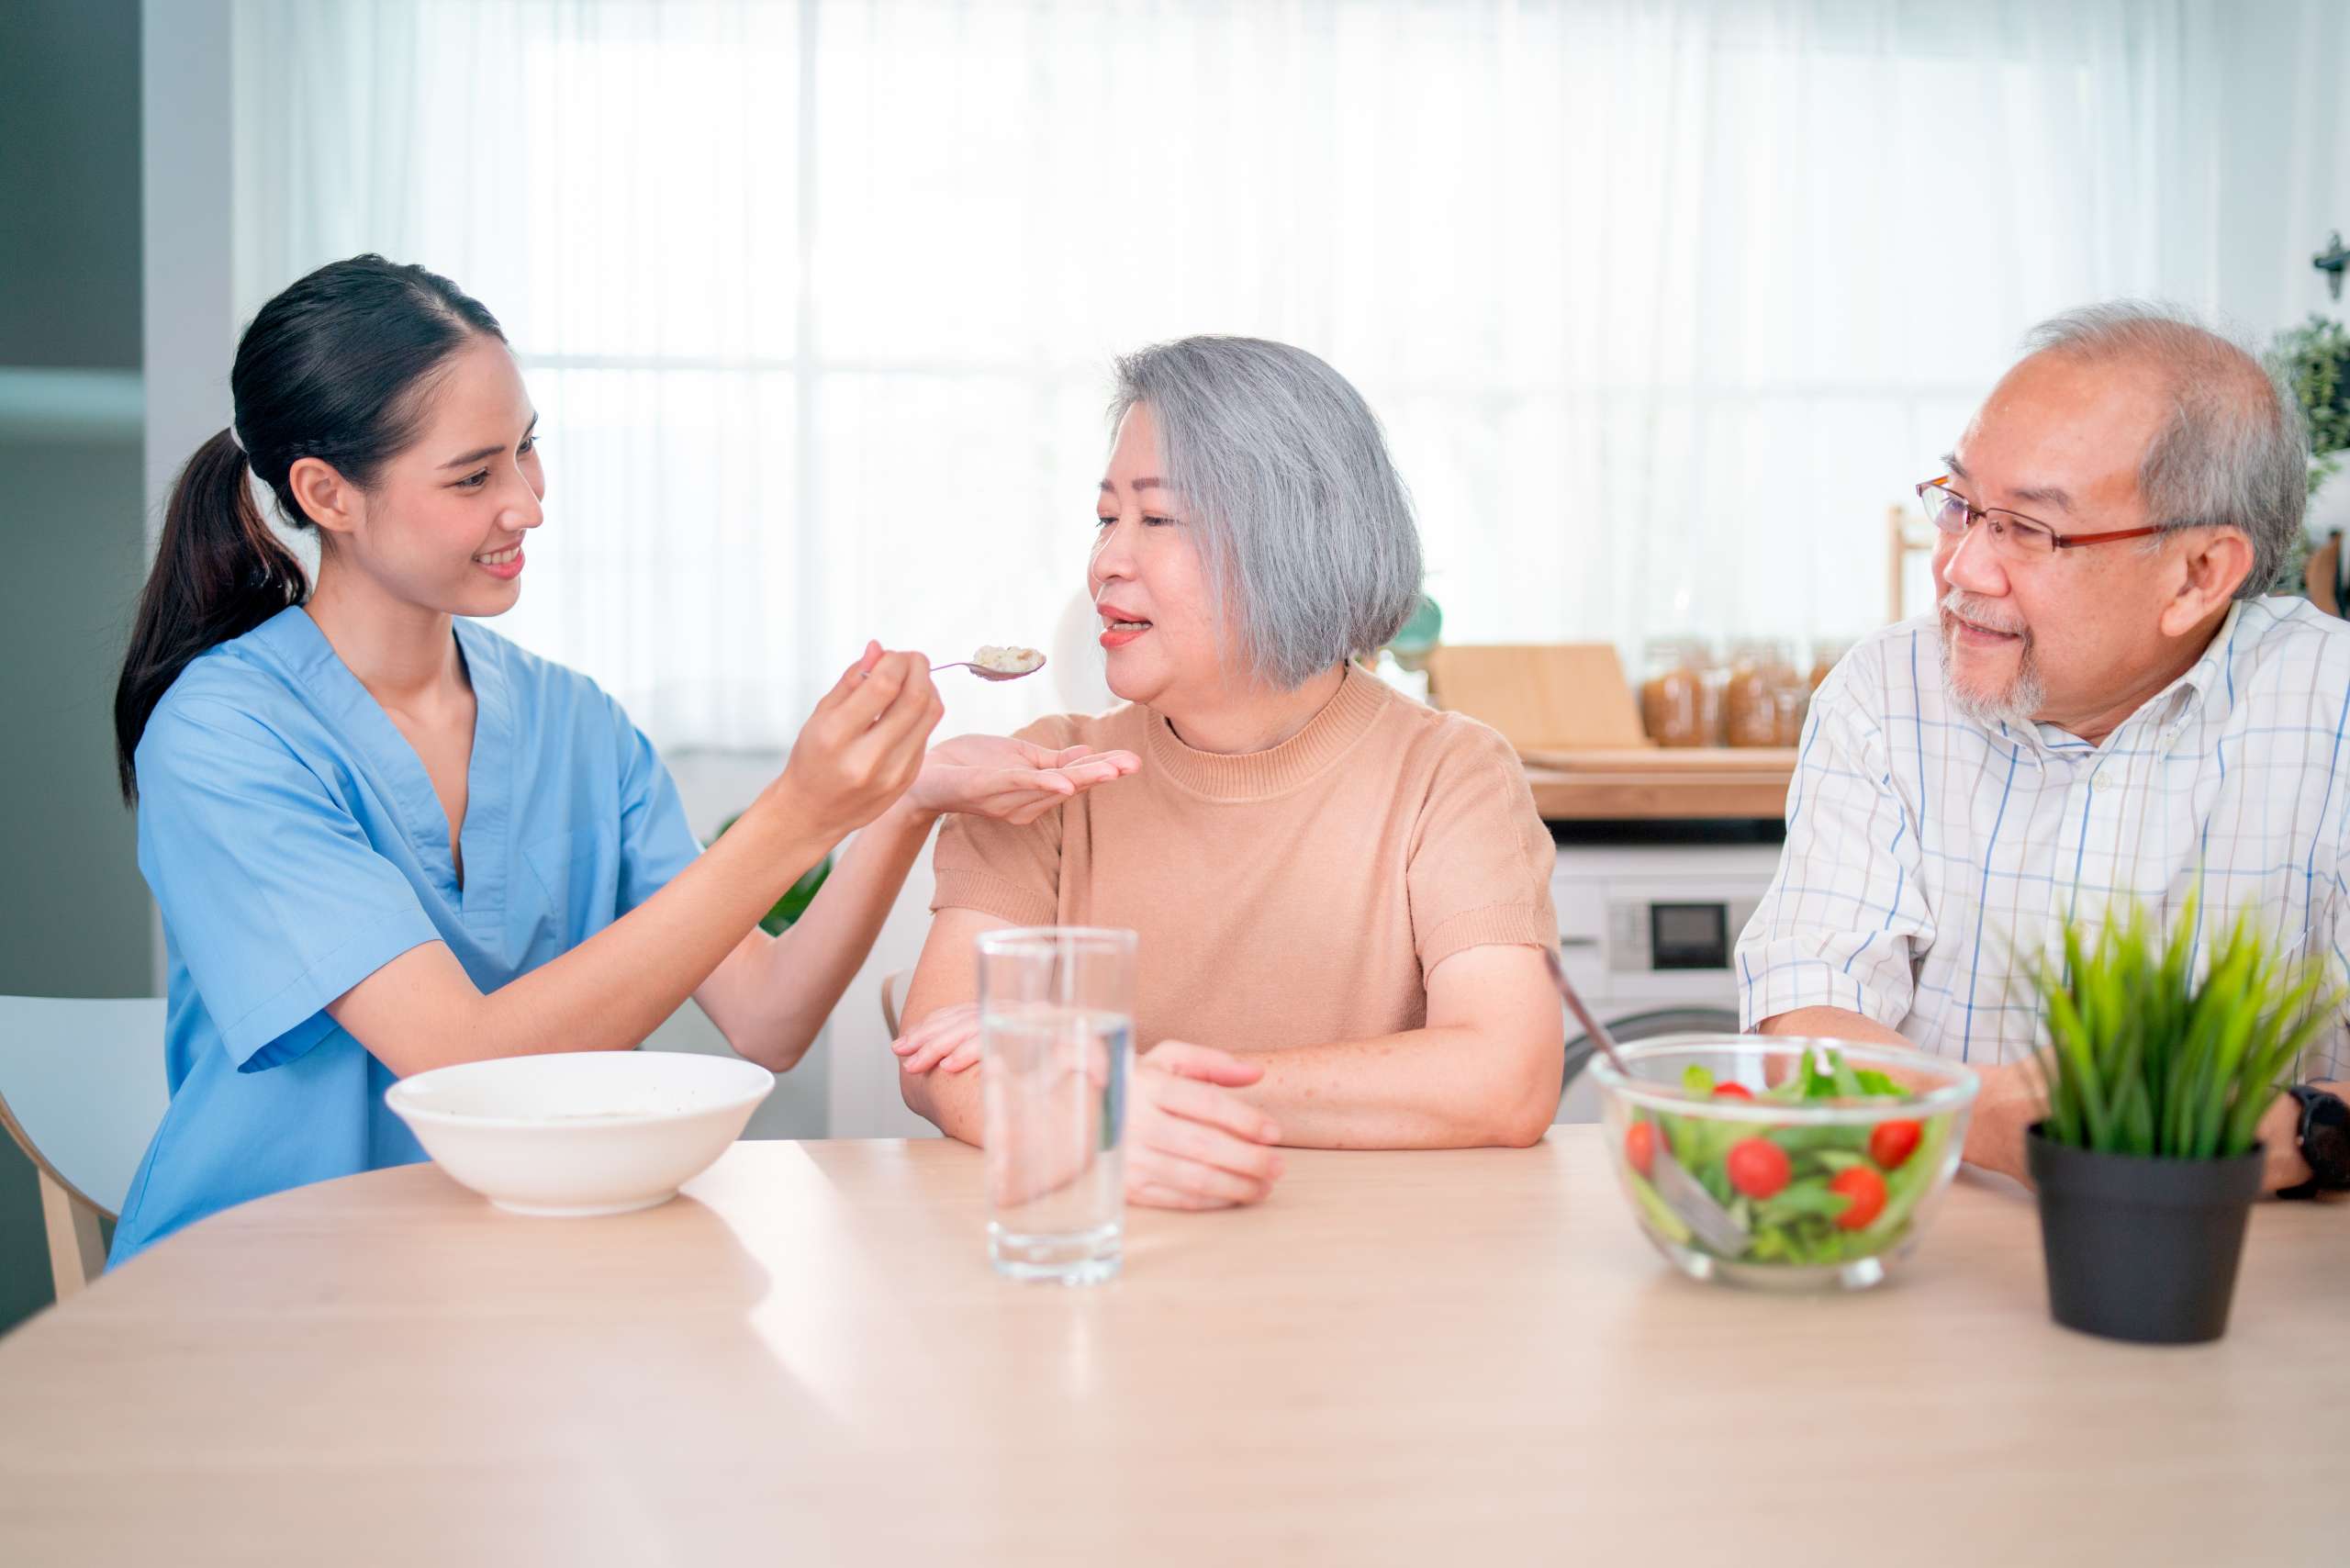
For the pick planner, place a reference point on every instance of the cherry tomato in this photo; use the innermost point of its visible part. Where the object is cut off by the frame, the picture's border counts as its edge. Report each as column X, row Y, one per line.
column 1639, row 1146
column 1866, row 1189
column 1733, row 1092
column 1893, row 1143
column 1757, row 1167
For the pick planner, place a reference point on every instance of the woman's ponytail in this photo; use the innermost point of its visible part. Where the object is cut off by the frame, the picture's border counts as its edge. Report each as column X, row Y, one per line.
column 332, row 369
column 218, row 573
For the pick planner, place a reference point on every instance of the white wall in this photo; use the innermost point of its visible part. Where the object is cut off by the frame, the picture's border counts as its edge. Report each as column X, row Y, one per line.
column 2283, row 174
column 2282, row 168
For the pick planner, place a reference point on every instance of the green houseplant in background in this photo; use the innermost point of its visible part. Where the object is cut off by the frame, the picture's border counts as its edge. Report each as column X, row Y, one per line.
column 2313, row 359
column 2154, row 1083
column 796, row 898
column 2313, row 362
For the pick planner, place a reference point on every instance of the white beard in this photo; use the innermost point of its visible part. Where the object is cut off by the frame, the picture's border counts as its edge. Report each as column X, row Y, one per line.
column 2025, row 694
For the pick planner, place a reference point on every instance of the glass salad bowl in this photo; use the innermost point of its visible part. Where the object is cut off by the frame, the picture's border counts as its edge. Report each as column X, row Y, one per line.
column 1785, row 1164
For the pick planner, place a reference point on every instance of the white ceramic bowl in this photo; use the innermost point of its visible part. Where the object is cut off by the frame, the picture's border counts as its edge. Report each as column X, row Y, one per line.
column 584, row 1132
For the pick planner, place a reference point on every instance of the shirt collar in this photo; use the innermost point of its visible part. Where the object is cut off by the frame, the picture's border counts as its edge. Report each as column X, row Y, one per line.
column 2210, row 678
column 318, row 670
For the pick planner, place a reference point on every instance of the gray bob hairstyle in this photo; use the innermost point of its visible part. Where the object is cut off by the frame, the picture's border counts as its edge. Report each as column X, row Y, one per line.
column 1303, row 526
column 2234, row 450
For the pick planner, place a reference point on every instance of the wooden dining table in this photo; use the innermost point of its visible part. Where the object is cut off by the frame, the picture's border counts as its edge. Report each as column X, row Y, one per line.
column 1459, row 1357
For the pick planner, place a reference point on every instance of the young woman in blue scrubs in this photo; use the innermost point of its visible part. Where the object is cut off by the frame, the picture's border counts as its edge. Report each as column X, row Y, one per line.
column 386, row 839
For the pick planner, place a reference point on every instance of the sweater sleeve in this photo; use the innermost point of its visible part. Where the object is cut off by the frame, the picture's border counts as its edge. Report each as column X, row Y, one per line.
column 1012, row 873
column 1480, row 868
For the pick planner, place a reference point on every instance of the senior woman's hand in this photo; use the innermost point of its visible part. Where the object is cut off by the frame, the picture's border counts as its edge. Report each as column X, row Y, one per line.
column 1012, row 780
column 945, row 1041
column 1190, row 1142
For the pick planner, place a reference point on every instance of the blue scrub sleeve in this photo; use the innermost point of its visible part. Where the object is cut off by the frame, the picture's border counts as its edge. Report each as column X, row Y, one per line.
column 655, row 843
column 276, row 900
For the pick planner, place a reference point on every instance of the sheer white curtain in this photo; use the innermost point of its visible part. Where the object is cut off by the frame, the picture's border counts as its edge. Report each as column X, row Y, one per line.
column 1662, row 303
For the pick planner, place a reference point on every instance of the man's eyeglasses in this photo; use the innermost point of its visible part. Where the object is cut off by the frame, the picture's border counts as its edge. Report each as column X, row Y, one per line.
column 2014, row 536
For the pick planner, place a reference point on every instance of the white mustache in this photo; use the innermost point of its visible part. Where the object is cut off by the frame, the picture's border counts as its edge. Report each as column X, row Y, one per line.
column 1970, row 609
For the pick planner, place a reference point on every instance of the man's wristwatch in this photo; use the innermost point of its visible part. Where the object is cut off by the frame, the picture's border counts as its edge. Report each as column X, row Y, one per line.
column 2326, row 1141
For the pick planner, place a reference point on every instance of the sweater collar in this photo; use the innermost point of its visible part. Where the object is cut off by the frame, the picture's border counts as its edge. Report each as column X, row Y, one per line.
column 1350, row 713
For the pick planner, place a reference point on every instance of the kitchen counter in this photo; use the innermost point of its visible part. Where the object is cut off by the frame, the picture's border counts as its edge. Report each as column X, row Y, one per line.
column 1661, row 783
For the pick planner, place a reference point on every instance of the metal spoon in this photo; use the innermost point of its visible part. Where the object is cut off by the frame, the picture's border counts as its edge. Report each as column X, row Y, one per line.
column 1715, row 1226
column 1592, row 1027
column 984, row 673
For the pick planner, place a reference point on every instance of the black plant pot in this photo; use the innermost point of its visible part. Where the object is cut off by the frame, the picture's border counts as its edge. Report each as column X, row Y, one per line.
column 2141, row 1248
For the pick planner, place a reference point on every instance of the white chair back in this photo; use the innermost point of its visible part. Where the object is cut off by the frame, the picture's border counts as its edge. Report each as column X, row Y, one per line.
column 81, row 1091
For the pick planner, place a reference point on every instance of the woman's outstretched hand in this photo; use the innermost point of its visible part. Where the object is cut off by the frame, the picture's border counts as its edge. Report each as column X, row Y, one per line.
column 1010, row 780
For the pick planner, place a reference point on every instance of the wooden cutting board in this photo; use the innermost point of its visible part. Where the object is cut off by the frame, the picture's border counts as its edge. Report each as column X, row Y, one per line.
column 1541, row 696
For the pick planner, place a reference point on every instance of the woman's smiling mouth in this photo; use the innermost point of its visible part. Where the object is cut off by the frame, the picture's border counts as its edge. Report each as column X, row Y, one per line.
column 505, row 564
column 1119, row 628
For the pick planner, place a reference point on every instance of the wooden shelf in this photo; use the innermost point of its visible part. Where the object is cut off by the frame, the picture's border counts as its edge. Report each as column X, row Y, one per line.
column 1661, row 783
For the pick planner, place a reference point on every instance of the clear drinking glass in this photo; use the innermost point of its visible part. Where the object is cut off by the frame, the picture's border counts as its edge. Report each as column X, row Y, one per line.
column 1056, row 1039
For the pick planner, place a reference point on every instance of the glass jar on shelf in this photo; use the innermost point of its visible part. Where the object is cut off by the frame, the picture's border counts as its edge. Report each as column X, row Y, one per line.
column 1681, row 692
column 1764, row 700
column 1827, row 652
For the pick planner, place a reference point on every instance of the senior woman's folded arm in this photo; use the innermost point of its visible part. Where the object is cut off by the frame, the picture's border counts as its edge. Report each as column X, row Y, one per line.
column 1484, row 1070
column 947, row 980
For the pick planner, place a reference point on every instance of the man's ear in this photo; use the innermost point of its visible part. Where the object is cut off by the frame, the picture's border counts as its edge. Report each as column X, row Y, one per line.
column 326, row 498
column 2213, row 564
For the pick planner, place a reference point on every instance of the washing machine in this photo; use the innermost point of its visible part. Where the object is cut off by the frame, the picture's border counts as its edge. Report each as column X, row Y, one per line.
column 1649, row 920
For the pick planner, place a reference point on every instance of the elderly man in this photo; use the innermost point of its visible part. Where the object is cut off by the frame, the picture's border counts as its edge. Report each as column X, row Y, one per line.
column 2104, row 706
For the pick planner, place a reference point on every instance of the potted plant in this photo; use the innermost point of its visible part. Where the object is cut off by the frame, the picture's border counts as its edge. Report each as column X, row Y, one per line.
column 2154, row 1083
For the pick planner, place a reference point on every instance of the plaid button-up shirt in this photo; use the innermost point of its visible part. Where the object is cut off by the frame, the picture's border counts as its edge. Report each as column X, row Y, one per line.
column 1930, row 858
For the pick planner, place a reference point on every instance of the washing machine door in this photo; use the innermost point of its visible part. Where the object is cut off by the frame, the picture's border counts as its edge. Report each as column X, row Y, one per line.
column 1579, row 1100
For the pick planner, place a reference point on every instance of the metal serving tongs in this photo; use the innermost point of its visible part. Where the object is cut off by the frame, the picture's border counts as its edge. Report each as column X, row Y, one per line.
column 1684, row 1193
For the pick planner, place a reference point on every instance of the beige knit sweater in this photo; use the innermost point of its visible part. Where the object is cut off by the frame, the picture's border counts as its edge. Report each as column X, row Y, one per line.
column 1285, row 897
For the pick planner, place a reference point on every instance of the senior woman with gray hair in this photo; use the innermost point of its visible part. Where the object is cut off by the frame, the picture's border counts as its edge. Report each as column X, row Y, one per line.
column 1342, row 896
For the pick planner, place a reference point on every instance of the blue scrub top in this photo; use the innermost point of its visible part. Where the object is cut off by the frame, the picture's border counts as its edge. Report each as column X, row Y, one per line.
column 294, row 841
